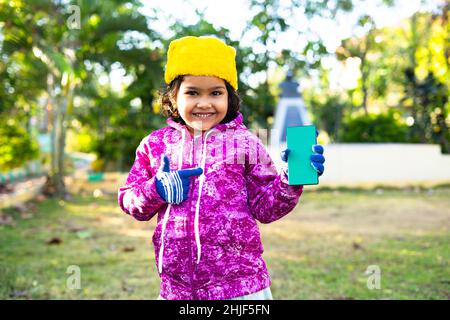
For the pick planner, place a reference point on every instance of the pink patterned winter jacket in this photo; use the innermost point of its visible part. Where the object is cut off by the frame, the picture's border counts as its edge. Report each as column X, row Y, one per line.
column 209, row 246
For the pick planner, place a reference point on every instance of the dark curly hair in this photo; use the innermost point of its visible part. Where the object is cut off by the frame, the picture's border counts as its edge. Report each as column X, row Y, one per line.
column 169, row 109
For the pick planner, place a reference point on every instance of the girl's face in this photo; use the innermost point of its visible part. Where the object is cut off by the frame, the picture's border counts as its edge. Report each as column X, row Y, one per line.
column 202, row 102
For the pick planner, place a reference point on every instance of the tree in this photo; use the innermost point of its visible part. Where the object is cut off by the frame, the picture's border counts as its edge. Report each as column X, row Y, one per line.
column 360, row 48
column 427, row 81
column 271, row 19
column 16, row 145
column 407, row 68
column 44, row 33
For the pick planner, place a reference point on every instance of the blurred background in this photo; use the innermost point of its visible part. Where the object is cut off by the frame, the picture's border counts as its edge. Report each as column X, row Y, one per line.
column 79, row 82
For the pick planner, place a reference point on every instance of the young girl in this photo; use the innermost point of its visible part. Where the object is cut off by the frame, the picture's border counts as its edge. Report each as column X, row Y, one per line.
column 209, row 179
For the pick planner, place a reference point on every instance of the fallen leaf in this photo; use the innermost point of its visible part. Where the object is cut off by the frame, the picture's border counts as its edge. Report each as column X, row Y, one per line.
column 6, row 188
column 20, row 207
column 26, row 215
column 6, row 220
column 19, row 294
column 40, row 198
column 126, row 287
column 73, row 227
column 54, row 240
column 128, row 249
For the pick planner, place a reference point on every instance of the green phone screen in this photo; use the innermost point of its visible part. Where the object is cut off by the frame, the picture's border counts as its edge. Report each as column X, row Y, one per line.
column 300, row 141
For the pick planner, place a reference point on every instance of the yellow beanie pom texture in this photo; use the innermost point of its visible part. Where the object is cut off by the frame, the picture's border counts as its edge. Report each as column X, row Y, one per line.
column 201, row 56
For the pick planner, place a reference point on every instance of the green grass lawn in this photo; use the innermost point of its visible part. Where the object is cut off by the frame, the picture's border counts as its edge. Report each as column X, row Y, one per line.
column 321, row 250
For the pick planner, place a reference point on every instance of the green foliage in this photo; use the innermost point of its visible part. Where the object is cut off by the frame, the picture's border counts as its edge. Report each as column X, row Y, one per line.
column 404, row 67
column 16, row 146
column 98, row 165
column 272, row 19
column 37, row 41
column 329, row 115
column 429, row 109
column 118, row 147
column 80, row 141
column 114, row 34
column 426, row 84
column 383, row 127
column 109, row 116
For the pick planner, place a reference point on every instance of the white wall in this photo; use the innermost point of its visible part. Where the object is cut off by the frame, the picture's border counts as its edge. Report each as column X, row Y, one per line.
column 355, row 163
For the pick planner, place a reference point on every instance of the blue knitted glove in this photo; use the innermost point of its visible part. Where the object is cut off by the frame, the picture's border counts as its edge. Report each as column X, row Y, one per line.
column 173, row 186
column 317, row 159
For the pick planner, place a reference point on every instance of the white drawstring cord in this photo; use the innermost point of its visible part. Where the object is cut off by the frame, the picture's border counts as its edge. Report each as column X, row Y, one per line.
column 166, row 214
column 197, row 205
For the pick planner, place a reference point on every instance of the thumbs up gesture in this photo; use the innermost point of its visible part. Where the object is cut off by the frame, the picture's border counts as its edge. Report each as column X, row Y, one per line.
column 173, row 186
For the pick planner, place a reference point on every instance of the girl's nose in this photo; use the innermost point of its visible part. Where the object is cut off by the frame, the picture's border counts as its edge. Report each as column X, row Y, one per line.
column 204, row 104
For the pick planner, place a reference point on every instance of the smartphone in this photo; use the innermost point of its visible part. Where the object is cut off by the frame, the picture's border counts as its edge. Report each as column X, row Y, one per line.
column 300, row 141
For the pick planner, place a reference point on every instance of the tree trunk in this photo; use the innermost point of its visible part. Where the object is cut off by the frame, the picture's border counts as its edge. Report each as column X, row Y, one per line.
column 364, row 75
column 364, row 85
column 55, row 186
column 61, row 143
column 416, row 128
column 445, row 143
column 50, row 186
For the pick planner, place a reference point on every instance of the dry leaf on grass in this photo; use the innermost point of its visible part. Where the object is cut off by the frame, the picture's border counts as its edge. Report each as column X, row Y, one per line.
column 54, row 240
column 128, row 249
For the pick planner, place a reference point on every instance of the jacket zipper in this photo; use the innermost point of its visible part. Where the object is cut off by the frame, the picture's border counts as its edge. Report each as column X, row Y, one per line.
column 191, row 271
column 191, row 267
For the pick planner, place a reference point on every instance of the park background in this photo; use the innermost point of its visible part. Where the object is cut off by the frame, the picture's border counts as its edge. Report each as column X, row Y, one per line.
column 78, row 91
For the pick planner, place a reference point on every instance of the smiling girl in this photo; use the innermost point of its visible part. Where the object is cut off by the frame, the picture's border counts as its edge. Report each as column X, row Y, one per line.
column 209, row 180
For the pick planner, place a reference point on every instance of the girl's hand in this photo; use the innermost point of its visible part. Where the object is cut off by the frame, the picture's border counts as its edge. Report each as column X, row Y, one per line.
column 173, row 186
column 285, row 155
column 317, row 159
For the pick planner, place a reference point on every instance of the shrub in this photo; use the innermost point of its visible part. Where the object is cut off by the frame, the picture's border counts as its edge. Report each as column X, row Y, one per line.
column 385, row 127
column 16, row 146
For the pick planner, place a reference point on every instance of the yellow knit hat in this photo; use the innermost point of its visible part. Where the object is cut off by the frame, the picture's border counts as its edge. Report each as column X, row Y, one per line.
column 201, row 56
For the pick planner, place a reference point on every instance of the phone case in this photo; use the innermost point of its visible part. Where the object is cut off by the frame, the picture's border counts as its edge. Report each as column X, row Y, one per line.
column 300, row 141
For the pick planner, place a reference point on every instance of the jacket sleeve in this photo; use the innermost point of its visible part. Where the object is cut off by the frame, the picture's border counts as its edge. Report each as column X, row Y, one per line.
column 270, row 197
column 138, row 197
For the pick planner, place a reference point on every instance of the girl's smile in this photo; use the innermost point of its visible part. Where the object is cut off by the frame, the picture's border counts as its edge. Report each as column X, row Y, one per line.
column 204, row 115
column 202, row 102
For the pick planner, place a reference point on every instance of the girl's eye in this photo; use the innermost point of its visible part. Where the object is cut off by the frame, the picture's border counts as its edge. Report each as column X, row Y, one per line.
column 192, row 93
